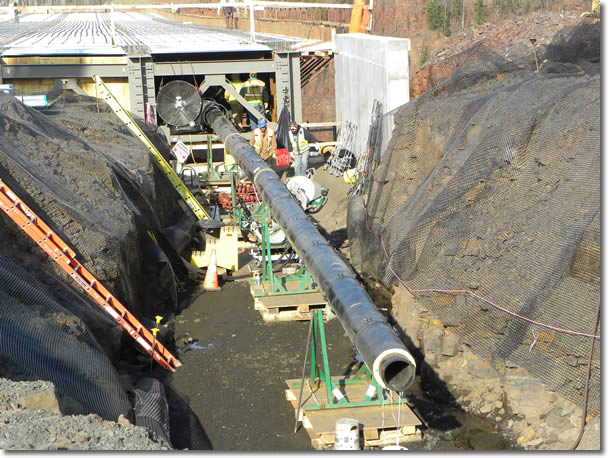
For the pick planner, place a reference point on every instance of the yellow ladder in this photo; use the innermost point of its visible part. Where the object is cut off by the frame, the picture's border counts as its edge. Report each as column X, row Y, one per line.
column 177, row 183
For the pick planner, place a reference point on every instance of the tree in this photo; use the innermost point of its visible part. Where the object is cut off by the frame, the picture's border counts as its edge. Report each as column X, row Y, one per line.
column 423, row 54
column 479, row 13
column 457, row 8
column 446, row 22
column 434, row 14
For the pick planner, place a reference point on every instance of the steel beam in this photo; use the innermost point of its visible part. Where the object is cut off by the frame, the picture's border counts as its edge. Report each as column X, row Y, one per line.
column 54, row 71
column 213, row 67
column 289, row 90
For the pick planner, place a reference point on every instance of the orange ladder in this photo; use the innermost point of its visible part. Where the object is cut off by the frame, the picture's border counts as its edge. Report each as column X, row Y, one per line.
column 65, row 257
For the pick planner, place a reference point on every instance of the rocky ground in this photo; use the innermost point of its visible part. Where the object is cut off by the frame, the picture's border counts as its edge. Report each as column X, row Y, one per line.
column 30, row 419
column 512, row 35
column 529, row 415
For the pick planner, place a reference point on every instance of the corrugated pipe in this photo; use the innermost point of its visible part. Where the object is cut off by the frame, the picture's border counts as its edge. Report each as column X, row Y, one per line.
column 392, row 365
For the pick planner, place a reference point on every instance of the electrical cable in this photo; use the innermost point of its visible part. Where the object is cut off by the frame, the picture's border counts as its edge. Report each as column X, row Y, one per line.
column 583, row 420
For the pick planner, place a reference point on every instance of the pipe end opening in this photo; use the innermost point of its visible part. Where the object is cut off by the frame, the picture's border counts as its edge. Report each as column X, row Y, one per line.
column 398, row 374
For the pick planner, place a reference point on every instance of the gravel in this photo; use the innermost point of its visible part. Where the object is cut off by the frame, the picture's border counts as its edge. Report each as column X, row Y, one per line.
column 43, row 427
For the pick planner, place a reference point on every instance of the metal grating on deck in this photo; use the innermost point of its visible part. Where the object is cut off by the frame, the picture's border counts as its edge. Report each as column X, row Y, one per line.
column 90, row 34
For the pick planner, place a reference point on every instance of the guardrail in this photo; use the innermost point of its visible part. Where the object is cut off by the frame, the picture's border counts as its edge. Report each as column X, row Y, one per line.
column 327, row 14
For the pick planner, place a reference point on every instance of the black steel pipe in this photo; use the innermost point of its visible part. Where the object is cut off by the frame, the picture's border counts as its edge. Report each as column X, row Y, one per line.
column 392, row 365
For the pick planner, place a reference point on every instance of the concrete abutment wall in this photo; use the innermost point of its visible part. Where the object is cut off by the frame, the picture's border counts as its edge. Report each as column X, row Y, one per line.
column 370, row 67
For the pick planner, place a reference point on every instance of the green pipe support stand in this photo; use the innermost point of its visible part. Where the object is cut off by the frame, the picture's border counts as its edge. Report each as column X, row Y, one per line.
column 320, row 375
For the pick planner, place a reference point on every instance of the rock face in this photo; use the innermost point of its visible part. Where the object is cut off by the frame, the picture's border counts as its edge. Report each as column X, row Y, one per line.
column 528, row 413
column 504, row 37
column 472, row 212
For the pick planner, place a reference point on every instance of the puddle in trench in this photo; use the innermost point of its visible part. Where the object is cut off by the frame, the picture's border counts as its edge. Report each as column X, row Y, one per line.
column 451, row 428
column 447, row 428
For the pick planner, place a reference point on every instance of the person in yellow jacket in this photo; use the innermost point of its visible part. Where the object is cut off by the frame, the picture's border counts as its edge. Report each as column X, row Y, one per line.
column 264, row 141
column 255, row 92
column 300, row 140
column 235, row 107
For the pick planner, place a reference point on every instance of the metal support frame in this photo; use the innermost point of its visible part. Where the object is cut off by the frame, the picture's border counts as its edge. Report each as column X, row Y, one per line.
column 241, row 216
column 141, row 83
column 278, row 283
column 320, row 375
column 220, row 80
column 55, row 71
column 287, row 65
column 27, row 71
column 71, row 84
column 223, row 67
column 211, row 172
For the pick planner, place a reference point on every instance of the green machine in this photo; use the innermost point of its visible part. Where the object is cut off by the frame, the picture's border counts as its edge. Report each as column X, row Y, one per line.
column 257, row 220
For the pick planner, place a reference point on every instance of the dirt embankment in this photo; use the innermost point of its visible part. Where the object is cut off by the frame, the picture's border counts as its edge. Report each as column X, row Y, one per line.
column 502, row 37
column 491, row 232
column 81, row 171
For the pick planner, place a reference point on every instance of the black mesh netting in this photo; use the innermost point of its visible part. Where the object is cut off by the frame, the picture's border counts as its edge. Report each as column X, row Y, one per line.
column 95, row 185
column 486, row 206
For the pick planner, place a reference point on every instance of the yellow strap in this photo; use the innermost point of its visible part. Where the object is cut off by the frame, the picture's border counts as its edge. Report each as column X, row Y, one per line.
column 255, row 177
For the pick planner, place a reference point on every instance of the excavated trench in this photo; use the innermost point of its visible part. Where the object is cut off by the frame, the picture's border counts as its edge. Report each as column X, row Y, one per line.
column 82, row 172
column 236, row 365
column 229, row 395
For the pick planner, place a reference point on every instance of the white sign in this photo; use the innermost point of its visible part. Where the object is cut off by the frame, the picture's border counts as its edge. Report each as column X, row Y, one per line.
column 180, row 151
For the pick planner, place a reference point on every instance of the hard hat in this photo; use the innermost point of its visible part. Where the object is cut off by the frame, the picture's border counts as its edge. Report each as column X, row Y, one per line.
column 262, row 123
column 253, row 75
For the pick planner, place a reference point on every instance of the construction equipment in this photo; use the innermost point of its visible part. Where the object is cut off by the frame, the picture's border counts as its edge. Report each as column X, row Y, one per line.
column 179, row 103
column 65, row 258
column 174, row 179
column 185, row 193
column 328, row 399
column 298, row 282
column 342, row 155
column 320, row 376
column 368, row 159
column 312, row 196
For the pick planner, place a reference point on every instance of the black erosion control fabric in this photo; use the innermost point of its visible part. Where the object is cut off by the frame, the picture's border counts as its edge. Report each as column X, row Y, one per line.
column 486, row 207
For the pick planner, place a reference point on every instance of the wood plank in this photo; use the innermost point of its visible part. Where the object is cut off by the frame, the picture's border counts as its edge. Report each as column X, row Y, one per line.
column 285, row 315
column 377, row 422
column 286, row 307
column 292, row 300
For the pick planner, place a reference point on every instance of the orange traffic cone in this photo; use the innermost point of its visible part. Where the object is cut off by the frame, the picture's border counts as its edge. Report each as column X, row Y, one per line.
column 211, row 283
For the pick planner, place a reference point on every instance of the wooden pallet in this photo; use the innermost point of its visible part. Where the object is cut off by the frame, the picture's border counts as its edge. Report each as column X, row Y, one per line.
column 378, row 424
column 286, row 307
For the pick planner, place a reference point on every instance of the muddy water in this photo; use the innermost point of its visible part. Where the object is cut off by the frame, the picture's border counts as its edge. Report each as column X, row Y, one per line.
column 234, row 372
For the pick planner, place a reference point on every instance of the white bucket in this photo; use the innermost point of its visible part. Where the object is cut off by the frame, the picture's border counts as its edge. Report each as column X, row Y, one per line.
column 347, row 434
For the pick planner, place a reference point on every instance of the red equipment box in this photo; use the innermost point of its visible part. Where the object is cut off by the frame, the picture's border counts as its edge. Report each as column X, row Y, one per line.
column 283, row 159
